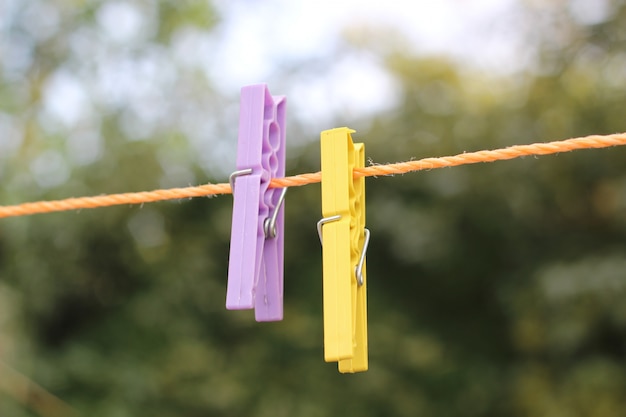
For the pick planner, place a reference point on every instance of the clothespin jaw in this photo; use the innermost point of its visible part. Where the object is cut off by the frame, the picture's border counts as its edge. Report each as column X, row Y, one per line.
column 255, row 268
column 344, row 243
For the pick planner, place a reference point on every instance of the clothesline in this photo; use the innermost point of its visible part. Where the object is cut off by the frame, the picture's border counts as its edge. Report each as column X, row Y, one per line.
column 587, row 142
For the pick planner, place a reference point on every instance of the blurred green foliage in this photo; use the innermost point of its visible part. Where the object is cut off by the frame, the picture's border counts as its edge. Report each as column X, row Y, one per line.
column 494, row 289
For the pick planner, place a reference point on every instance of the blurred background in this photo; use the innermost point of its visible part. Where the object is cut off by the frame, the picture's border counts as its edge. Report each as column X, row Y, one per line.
column 494, row 289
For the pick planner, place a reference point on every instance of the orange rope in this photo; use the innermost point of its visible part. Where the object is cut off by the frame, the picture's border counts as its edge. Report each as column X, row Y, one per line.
column 587, row 142
column 593, row 141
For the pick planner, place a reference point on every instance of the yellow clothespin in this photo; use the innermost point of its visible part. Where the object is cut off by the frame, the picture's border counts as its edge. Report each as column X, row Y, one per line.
column 344, row 244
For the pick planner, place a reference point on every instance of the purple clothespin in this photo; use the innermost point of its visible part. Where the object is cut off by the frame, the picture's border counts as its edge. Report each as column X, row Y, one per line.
column 255, row 267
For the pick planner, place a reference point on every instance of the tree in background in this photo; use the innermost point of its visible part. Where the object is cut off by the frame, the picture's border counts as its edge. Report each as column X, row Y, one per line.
column 494, row 289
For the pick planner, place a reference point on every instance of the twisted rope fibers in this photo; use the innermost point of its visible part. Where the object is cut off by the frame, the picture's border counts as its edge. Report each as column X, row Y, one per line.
column 587, row 142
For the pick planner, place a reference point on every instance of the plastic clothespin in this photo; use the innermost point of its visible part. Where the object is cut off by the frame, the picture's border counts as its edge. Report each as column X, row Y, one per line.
column 255, row 268
column 344, row 245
